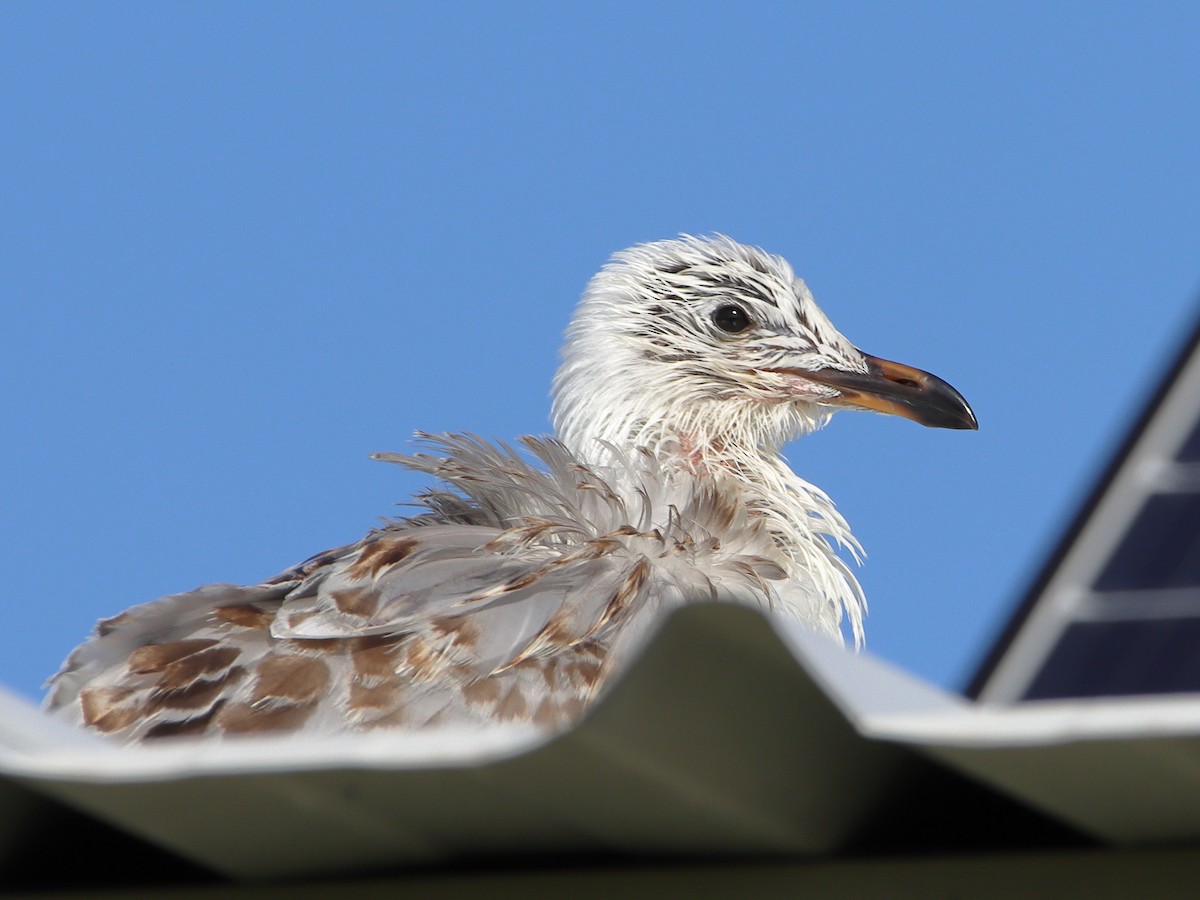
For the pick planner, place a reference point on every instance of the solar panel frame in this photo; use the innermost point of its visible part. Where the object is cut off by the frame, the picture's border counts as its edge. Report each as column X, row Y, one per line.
column 1158, row 456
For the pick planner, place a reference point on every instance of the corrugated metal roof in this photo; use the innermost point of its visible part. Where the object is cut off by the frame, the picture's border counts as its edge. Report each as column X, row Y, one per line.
column 734, row 734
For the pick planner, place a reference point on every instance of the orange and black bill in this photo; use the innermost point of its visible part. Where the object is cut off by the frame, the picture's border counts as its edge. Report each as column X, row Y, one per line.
column 899, row 390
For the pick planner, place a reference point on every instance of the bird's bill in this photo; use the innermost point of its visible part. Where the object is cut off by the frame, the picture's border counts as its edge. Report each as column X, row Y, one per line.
column 898, row 390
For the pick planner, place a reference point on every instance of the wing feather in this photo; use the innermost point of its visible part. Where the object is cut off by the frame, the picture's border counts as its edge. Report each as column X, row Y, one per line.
column 502, row 600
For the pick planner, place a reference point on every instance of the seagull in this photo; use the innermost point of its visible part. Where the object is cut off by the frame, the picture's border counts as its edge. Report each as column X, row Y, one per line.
column 530, row 575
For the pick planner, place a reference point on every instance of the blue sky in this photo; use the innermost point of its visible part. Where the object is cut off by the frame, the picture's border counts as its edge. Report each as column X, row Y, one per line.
column 245, row 245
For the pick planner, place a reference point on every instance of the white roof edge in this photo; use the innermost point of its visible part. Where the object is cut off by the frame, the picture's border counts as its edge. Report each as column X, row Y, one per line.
column 730, row 732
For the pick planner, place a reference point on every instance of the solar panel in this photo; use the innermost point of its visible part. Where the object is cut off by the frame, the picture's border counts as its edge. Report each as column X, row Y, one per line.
column 1116, row 610
column 1190, row 451
column 1161, row 549
column 1121, row 657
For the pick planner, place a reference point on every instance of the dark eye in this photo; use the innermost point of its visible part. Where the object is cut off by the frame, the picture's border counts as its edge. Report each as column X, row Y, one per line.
column 731, row 318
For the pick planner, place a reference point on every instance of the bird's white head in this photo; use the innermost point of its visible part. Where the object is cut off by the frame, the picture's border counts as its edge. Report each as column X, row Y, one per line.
column 712, row 352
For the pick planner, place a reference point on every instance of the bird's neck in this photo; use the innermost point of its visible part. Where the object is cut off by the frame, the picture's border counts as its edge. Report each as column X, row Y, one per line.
column 696, row 434
column 738, row 444
column 741, row 455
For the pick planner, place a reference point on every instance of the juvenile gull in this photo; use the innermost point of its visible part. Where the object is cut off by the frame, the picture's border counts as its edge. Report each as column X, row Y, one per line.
column 529, row 577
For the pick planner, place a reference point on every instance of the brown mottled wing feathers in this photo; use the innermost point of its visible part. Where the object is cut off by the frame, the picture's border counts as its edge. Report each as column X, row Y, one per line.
column 507, row 600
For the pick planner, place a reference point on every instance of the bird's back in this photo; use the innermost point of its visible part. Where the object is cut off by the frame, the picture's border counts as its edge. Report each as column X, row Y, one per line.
column 508, row 599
